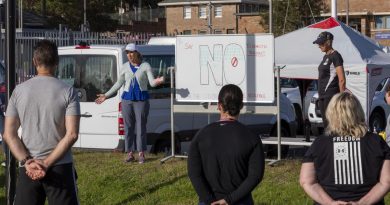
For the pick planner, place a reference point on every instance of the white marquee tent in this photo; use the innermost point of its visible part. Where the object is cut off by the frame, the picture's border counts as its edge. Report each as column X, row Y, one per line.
column 365, row 64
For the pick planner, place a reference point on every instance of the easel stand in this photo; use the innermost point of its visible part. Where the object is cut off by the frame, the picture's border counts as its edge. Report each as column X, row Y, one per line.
column 173, row 155
column 279, row 139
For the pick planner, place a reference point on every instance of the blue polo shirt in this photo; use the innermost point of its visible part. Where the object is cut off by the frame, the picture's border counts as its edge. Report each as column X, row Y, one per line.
column 134, row 93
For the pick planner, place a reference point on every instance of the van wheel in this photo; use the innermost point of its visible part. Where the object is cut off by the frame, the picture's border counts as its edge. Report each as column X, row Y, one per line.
column 163, row 145
column 272, row 150
column 377, row 120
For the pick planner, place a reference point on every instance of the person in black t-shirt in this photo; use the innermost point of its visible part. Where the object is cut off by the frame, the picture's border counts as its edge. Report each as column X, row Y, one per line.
column 331, row 77
column 226, row 160
column 349, row 165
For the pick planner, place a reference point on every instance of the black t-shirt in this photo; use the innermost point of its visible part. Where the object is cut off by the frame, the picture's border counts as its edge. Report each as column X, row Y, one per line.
column 226, row 161
column 346, row 167
column 328, row 81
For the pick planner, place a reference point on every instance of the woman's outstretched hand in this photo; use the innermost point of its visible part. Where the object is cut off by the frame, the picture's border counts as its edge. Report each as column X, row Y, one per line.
column 100, row 98
column 159, row 80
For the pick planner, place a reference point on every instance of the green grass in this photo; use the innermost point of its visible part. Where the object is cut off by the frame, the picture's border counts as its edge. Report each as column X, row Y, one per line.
column 105, row 179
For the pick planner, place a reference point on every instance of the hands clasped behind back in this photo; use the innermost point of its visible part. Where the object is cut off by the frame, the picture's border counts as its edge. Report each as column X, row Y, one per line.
column 36, row 169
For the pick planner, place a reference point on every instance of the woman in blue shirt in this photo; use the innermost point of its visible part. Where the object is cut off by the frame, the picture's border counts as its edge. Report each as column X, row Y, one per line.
column 136, row 75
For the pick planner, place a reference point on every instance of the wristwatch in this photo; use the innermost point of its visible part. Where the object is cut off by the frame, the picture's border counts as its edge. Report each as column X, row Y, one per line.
column 23, row 162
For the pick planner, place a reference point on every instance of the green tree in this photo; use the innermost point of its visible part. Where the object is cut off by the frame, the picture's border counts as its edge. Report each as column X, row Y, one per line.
column 290, row 15
column 71, row 12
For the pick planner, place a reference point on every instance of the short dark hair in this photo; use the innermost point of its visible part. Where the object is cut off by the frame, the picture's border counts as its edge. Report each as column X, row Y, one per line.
column 46, row 54
column 230, row 97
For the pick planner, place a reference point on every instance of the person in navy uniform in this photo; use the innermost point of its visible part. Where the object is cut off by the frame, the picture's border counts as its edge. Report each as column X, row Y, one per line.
column 331, row 77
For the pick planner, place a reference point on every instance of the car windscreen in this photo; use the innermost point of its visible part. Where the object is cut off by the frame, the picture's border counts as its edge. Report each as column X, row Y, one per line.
column 90, row 74
column 288, row 83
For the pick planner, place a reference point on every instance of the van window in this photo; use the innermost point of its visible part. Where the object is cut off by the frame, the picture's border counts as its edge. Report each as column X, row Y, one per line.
column 90, row 74
column 124, row 58
column 160, row 65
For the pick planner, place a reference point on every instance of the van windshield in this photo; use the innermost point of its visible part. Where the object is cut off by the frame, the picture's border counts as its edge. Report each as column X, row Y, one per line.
column 90, row 74
column 160, row 65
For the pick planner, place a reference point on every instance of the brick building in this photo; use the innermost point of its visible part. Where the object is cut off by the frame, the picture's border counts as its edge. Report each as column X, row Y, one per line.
column 227, row 16
column 371, row 18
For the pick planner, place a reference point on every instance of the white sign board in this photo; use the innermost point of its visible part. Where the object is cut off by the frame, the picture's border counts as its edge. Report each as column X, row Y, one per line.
column 205, row 63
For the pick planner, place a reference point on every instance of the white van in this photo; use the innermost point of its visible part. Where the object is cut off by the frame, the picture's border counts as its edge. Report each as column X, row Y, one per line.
column 94, row 69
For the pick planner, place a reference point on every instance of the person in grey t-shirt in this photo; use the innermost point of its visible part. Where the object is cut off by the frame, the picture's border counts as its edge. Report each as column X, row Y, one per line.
column 48, row 111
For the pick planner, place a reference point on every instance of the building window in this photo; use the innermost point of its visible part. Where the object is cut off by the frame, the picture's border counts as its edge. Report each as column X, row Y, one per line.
column 202, row 32
column 252, row 8
column 230, row 31
column 382, row 22
column 203, row 12
column 187, row 12
column 216, row 31
column 187, row 32
column 218, row 11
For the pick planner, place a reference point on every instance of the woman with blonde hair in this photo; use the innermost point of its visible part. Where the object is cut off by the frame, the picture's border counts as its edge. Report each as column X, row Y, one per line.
column 349, row 165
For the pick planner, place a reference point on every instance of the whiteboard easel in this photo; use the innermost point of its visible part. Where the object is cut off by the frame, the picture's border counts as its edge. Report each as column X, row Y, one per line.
column 212, row 108
column 256, row 48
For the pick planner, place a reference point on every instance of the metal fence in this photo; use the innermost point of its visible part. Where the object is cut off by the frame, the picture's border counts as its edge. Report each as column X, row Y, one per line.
column 26, row 40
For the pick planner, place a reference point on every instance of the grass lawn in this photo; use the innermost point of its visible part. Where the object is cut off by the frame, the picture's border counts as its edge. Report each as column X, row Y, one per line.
column 105, row 179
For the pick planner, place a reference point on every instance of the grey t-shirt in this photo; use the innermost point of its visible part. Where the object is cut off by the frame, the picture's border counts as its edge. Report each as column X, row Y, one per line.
column 41, row 104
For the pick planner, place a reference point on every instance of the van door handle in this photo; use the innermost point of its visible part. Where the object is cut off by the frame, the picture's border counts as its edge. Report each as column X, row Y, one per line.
column 87, row 114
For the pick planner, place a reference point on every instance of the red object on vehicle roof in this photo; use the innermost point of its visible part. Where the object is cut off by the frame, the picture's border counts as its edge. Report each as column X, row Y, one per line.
column 82, row 45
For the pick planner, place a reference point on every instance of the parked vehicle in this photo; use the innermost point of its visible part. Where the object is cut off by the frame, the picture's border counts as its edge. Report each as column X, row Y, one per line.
column 290, row 89
column 94, row 69
column 165, row 40
column 378, row 113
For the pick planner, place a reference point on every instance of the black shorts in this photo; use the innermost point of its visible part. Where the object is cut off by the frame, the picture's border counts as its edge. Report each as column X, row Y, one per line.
column 59, row 186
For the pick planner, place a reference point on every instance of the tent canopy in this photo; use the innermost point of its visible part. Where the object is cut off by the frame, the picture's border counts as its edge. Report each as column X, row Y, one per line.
column 301, row 57
column 365, row 64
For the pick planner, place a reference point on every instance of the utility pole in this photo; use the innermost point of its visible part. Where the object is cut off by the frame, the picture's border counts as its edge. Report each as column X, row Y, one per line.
column 209, row 19
column 20, row 14
column 347, row 13
column 121, row 12
column 85, row 12
column 139, row 10
column 270, row 15
column 43, row 7
column 85, row 15
column 334, row 9
column 10, row 66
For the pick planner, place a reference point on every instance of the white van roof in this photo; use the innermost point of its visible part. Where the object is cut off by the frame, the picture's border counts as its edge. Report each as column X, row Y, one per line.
column 143, row 49
column 165, row 40
column 121, row 48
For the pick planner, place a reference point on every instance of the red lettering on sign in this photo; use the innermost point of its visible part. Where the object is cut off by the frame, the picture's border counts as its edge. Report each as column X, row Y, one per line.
column 234, row 62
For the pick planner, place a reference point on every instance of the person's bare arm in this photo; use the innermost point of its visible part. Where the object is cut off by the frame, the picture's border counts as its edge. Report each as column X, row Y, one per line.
column 381, row 188
column 308, row 182
column 72, row 123
column 12, row 139
column 341, row 75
